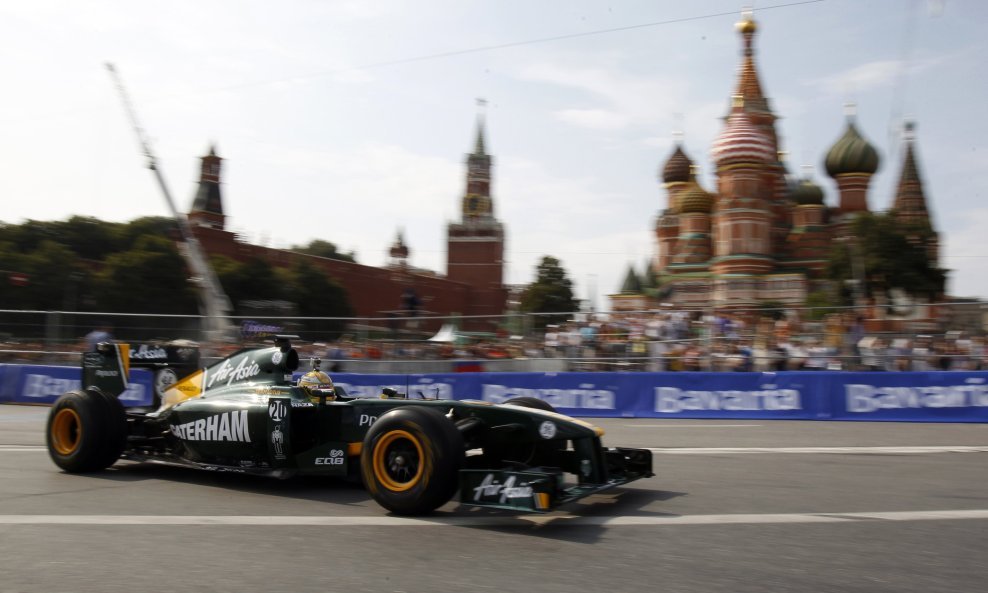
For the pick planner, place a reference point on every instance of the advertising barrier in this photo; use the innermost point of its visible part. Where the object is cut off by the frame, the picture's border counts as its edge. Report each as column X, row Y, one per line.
column 955, row 396
column 803, row 395
column 34, row 384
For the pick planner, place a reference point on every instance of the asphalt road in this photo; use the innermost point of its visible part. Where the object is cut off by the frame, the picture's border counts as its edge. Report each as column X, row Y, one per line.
column 736, row 506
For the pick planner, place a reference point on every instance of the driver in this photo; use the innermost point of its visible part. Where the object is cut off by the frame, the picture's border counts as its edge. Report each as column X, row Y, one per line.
column 316, row 384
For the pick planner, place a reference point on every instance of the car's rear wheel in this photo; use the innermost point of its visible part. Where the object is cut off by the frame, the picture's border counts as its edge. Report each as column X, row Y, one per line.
column 411, row 459
column 86, row 431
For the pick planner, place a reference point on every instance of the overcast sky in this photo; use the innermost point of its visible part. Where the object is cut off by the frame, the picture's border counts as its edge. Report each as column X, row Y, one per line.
column 347, row 120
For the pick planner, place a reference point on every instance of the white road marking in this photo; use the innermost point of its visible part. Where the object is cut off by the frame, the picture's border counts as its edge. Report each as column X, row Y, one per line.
column 820, row 450
column 689, row 425
column 521, row 521
column 885, row 450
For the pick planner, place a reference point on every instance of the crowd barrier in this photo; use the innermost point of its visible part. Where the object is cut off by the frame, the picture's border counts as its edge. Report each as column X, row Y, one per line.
column 954, row 396
column 35, row 384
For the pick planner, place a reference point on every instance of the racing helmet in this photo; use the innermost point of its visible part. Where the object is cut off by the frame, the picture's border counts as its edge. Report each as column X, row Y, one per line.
column 316, row 379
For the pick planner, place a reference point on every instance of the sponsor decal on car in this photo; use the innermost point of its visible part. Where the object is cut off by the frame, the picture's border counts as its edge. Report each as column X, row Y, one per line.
column 335, row 458
column 366, row 420
column 245, row 369
column 228, row 426
column 276, row 357
column 298, row 404
column 490, row 488
column 145, row 352
column 277, row 409
column 547, row 429
column 219, row 468
column 278, row 440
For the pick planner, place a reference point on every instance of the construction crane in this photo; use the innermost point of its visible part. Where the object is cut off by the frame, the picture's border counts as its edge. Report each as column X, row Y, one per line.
column 214, row 305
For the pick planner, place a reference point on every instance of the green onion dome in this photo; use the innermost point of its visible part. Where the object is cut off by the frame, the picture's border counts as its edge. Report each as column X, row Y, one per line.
column 851, row 154
column 807, row 193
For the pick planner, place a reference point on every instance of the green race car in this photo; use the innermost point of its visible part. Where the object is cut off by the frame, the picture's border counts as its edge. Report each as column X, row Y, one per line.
column 245, row 415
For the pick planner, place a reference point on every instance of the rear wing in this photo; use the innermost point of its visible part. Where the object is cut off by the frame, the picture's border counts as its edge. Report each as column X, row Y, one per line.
column 107, row 368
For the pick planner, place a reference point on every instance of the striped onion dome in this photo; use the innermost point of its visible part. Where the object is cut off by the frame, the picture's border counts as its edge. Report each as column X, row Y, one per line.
column 742, row 142
column 695, row 200
column 851, row 154
column 677, row 168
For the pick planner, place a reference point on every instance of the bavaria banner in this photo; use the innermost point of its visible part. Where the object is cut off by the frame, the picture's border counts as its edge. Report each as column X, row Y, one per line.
column 33, row 384
column 795, row 395
column 955, row 396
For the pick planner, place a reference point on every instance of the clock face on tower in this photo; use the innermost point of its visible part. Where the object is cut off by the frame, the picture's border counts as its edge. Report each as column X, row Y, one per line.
column 472, row 205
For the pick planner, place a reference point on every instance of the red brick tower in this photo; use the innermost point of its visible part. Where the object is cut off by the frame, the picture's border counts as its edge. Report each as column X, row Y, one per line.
column 207, row 207
column 475, row 245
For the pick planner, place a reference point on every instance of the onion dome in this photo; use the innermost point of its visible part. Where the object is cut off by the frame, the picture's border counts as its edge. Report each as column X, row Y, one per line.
column 677, row 167
column 807, row 193
column 851, row 154
column 742, row 142
column 695, row 200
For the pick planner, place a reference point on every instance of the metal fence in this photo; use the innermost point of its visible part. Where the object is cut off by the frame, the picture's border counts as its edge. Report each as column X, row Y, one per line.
column 661, row 339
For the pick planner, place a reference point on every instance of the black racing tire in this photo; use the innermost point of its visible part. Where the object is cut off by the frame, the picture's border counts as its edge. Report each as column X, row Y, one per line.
column 411, row 459
column 86, row 431
column 530, row 402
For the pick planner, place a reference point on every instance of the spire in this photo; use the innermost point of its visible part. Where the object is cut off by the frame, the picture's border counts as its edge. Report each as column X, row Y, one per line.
column 479, row 145
column 476, row 203
column 910, row 199
column 632, row 283
column 749, row 88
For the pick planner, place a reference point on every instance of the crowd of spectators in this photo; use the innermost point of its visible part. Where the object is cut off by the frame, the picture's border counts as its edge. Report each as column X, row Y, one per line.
column 654, row 341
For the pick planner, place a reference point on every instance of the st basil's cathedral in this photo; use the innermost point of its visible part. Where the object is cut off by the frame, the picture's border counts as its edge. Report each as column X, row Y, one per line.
column 762, row 235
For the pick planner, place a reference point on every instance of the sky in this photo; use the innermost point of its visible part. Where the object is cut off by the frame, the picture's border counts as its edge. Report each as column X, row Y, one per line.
column 348, row 121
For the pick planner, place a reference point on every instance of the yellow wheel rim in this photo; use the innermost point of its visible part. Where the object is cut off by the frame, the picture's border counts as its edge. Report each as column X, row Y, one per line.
column 66, row 431
column 398, row 460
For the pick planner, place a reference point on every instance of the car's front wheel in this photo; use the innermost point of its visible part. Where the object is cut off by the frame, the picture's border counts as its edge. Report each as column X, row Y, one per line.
column 411, row 459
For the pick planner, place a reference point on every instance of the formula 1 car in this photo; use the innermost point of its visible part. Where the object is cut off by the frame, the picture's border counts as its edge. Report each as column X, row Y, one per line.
column 245, row 415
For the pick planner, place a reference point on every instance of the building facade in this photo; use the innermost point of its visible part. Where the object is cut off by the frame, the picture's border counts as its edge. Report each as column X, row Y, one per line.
column 761, row 234
column 473, row 285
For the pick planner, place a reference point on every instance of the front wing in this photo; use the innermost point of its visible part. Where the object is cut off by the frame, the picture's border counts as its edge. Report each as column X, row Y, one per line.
column 542, row 489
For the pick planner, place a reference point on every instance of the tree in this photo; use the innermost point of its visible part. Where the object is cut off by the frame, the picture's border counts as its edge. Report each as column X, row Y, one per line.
column 888, row 255
column 552, row 292
column 252, row 280
column 149, row 278
column 317, row 295
column 320, row 248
